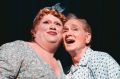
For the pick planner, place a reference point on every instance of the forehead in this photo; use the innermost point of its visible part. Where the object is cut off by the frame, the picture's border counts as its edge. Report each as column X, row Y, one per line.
column 50, row 17
column 74, row 23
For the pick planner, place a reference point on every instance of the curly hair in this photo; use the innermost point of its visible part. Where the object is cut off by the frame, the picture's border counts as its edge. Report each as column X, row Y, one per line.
column 46, row 11
column 42, row 13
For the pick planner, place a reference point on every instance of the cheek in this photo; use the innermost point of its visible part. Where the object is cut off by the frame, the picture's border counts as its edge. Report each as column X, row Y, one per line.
column 41, row 29
column 60, row 29
column 81, row 38
column 38, row 31
column 63, row 35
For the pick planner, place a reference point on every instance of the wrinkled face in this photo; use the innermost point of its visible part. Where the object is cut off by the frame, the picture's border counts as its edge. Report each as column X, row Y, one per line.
column 49, row 29
column 74, row 35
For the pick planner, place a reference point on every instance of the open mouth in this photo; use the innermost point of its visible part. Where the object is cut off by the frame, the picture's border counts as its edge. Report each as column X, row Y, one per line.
column 69, row 41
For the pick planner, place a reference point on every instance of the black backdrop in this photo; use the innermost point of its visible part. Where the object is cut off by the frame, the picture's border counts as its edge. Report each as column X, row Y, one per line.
column 102, row 15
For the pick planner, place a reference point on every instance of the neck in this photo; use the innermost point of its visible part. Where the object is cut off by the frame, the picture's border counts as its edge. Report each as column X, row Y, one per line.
column 48, row 47
column 77, row 55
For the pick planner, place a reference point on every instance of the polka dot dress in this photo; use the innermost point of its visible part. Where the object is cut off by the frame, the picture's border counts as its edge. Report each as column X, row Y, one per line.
column 95, row 65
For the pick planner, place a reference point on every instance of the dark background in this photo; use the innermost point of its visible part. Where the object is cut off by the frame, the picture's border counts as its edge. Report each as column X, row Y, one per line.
column 16, row 18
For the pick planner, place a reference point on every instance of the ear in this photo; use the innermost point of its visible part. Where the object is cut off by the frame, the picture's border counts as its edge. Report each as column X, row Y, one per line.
column 33, row 32
column 88, row 38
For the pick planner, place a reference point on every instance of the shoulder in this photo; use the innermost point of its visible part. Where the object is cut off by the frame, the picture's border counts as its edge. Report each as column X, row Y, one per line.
column 12, row 44
column 103, row 64
column 94, row 55
column 11, row 49
column 101, row 56
column 102, row 59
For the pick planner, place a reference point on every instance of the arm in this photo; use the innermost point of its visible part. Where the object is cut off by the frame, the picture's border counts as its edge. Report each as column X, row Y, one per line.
column 113, row 68
column 9, row 61
column 106, row 67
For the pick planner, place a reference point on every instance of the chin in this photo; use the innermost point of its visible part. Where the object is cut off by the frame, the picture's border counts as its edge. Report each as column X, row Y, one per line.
column 70, row 49
column 52, row 39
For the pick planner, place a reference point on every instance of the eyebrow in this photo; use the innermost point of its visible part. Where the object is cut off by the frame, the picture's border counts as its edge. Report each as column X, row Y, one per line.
column 74, row 25
column 58, row 22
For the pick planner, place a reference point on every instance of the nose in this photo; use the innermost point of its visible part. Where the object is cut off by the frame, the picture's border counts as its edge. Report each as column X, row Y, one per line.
column 52, row 27
column 68, row 33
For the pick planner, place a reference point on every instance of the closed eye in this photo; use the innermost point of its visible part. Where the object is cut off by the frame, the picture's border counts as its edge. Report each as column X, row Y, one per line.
column 65, row 30
column 75, row 29
column 59, row 24
column 45, row 22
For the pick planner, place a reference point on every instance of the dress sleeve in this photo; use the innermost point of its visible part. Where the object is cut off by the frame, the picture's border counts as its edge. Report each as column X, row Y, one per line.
column 9, row 61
